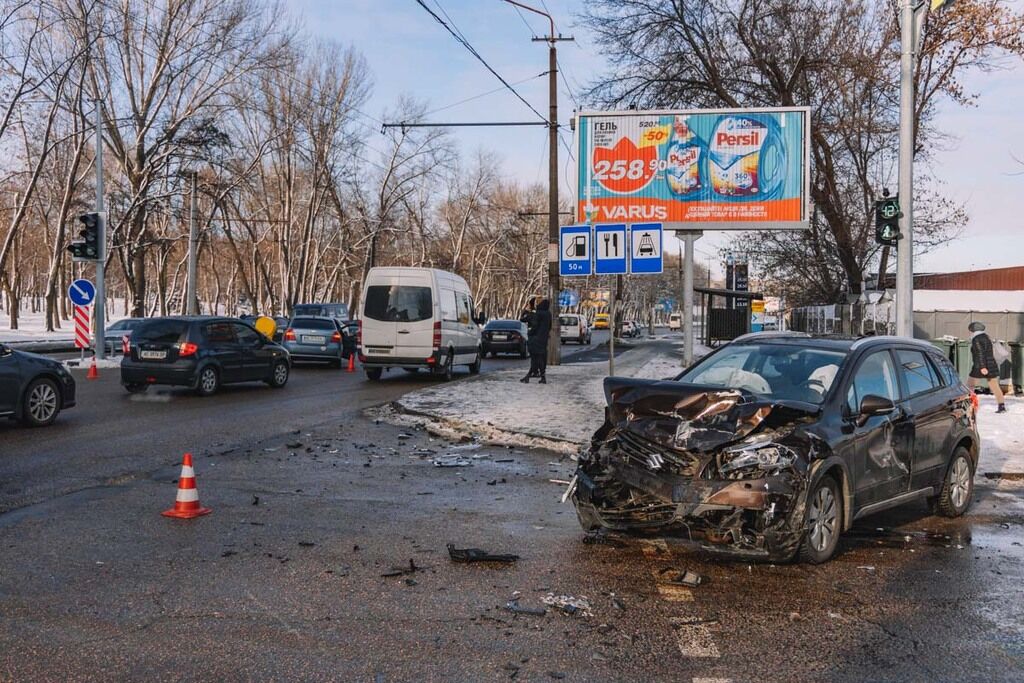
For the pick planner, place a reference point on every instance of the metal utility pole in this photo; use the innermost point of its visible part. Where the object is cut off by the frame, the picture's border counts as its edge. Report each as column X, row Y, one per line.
column 689, row 238
column 191, row 302
column 100, row 312
column 905, row 248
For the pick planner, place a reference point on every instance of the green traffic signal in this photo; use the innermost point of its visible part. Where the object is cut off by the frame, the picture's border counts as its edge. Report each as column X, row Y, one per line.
column 887, row 221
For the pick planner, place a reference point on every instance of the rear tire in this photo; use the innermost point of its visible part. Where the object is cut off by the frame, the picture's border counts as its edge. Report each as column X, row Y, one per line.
column 208, row 381
column 136, row 388
column 474, row 367
column 446, row 369
column 41, row 403
column 958, row 486
column 373, row 374
column 824, row 521
column 279, row 375
column 523, row 353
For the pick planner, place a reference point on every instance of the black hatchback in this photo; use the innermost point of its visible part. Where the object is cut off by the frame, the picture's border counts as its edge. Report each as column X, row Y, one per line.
column 33, row 389
column 201, row 353
column 775, row 443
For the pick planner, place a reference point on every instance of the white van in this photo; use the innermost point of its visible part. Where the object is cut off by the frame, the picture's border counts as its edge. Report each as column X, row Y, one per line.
column 417, row 318
column 574, row 328
column 675, row 321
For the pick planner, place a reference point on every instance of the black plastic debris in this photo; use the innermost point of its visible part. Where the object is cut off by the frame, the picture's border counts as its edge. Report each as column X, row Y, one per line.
column 255, row 500
column 478, row 555
column 403, row 571
column 307, row 544
column 514, row 607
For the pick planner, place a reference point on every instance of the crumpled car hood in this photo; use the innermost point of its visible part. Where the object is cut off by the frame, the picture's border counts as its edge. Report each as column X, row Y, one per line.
column 694, row 418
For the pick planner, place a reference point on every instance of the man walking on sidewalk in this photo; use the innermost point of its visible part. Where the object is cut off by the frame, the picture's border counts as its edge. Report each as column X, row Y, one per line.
column 983, row 362
column 537, row 342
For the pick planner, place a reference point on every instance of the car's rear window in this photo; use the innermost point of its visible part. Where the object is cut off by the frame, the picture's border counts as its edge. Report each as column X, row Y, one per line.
column 326, row 310
column 568, row 320
column 160, row 331
column 313, row 324
column 504, row 325
column 398, row 303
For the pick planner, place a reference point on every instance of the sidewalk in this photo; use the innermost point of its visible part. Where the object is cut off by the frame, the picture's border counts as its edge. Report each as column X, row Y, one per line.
column 563, row 414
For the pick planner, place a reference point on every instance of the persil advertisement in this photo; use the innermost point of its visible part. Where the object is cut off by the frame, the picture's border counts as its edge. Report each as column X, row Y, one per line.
column 729, row 169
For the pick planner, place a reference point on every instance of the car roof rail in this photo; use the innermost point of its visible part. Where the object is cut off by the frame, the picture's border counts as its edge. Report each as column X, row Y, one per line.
column 780, row 334
column 891, row 338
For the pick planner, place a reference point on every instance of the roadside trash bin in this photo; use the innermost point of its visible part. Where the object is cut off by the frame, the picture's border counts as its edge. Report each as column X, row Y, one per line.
column 946, row 347
column 1017, row 365
column 962, row 360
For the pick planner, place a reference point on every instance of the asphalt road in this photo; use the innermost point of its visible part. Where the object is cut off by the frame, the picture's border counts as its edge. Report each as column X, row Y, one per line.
column 313, row 502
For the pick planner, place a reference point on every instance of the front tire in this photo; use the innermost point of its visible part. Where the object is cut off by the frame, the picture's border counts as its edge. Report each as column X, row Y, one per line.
column 958, row 487
column 279, row 375
column 208, row 381
column 42, row 403
column 824, row 522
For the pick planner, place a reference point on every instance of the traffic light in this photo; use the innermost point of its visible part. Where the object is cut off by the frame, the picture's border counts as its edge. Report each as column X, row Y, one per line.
column 887, row 220
column 87, row 246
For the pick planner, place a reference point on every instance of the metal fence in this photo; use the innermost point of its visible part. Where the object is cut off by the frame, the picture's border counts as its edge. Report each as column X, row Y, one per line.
column 880, row 318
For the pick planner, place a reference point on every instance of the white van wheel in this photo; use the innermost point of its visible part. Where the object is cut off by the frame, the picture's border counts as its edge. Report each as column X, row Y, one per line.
column 446, row 369
column 474, row 367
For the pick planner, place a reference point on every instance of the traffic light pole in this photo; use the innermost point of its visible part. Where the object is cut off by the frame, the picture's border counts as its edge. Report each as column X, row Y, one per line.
column 100, row 308
column 905, row 249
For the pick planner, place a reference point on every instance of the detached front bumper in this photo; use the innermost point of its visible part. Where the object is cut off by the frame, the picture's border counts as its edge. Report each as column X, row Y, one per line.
column 757, row 518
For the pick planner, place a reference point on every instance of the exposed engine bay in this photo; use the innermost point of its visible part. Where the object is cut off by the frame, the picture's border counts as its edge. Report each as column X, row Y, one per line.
column 719, row 467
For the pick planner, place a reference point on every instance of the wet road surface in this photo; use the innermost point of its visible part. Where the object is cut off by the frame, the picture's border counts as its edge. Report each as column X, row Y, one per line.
column 283, row 580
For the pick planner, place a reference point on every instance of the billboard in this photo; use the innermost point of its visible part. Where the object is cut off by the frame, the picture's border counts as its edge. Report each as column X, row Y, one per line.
column 730, row 169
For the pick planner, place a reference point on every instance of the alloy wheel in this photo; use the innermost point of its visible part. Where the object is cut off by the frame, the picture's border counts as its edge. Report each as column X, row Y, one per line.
column 208, row 380
column 281, row 373
column 822, row 517
column 42, row 402
column 960, row 483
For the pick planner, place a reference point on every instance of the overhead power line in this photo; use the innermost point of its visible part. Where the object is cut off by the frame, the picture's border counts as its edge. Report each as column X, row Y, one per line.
column 472, row 50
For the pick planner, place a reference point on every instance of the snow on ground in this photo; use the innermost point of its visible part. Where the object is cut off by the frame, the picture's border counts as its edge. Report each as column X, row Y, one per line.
column 1002, row 436
column 32, row 326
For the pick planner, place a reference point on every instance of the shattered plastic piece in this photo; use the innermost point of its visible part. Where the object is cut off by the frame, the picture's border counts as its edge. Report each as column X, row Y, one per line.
column 568, row 604
column 681, row 578
column 867, row 567
column 477, row 555
column 401, row 571
column 451, row 461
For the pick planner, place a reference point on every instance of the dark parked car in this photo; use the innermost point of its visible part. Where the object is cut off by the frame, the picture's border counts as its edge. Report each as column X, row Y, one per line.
column 775, row 443
column 504, row 336
column 202, row 353
column 33, row 389
column 312, row 338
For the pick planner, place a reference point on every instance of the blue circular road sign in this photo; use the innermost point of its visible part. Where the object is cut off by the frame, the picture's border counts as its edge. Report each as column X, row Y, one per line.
column 81, row 292
column 568, row 298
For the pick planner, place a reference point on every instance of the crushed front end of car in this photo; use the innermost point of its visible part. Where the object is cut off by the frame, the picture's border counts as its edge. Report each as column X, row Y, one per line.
column 717, row 467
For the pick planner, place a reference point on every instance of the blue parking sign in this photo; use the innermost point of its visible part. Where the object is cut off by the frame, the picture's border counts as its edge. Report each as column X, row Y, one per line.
column 645, row 248
column 574, row 250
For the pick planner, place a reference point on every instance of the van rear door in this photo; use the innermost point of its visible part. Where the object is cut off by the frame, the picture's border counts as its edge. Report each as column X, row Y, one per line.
column 415, row 305
column 377, row 320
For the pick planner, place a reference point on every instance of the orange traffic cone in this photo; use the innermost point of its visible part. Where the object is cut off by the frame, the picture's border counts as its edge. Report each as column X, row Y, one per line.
column 351, row 362
column 186, row 503
column 93, row 372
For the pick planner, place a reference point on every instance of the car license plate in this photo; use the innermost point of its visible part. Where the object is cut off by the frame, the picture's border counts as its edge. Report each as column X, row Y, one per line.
column 500, row 337
column 153, row 355
column 313, row 339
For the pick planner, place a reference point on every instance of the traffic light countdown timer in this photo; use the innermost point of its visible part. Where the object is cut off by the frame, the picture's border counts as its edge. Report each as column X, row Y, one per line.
column 887, row 220
column 87, row 246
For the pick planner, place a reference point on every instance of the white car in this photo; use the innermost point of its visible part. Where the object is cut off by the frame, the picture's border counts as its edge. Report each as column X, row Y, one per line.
column 574, row 328
column 675, row 321
column 415, row 318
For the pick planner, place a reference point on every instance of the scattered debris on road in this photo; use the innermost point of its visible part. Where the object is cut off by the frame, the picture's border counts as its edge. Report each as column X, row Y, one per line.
column 451, row 461
column 514, row 607
column 402, row 571
column 673, row 576
column 568, row 604
column 478, row 555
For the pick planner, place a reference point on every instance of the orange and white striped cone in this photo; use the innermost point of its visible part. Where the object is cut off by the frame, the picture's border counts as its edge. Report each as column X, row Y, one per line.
column 352, row 362
column 186, row 503
column 93, row 372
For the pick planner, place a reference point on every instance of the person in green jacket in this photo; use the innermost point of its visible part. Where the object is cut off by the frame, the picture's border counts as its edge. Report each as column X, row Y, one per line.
column 983, row 363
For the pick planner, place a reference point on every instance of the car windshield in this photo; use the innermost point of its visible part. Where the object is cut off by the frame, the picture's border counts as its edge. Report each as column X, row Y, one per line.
column 160, row 331
column 126, row 324
column 313, row 324
column 398, row 303
column 503, row 325
column 772, row 371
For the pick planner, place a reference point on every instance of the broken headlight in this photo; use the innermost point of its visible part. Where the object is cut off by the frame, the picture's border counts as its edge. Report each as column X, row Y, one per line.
column 754, row 460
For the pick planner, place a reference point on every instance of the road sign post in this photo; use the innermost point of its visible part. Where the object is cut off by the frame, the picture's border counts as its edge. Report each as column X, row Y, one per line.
column 574, row 250
column 610, row 249
column 82, row 293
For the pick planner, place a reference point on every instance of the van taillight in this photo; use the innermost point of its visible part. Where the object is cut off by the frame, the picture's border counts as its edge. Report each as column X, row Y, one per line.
column 437, row 335
column 359, row 333
column 186, row 349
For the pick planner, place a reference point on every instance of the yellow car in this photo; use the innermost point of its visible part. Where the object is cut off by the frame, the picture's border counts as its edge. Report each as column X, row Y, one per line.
column 601, row 321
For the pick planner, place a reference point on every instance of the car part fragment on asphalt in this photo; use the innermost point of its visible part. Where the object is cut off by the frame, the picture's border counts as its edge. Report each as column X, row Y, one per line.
column 186, row 501
column 402, row 571
column 478, row 555
column 673, row 576
column 568, row 604
column 451, row 461
column 514, row 607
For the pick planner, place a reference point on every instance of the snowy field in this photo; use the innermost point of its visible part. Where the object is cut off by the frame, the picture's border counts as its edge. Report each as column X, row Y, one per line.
column 32, row 326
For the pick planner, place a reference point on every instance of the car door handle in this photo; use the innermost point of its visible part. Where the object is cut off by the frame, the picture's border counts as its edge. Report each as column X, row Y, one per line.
column 403, row 332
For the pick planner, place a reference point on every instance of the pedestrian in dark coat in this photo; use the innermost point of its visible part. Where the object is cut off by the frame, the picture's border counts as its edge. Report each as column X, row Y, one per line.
column 983, row 363
column 537, row 342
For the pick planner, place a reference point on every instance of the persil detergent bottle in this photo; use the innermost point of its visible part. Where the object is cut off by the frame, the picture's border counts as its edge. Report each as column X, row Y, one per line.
column 683, row 160
column 747, row 157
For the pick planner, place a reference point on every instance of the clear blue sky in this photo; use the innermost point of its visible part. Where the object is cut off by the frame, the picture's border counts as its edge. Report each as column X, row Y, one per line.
column 411, row 54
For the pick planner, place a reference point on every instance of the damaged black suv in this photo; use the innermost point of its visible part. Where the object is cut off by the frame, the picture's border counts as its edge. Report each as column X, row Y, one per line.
column 775, row 443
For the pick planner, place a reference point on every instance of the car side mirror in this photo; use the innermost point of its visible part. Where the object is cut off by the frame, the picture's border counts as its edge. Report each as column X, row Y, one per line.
column 5, row 350
column 872, row 405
